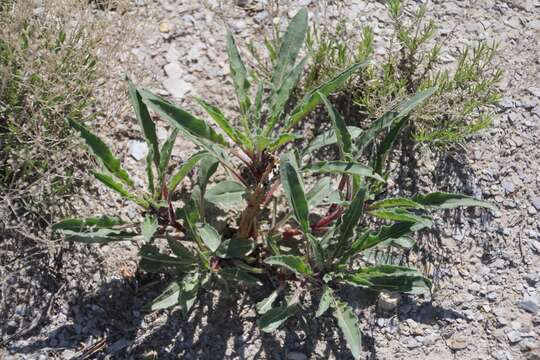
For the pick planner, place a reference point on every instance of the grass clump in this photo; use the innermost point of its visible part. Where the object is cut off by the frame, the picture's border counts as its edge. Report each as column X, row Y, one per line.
column 305, row 227
column 48, row 71
column 412, row 62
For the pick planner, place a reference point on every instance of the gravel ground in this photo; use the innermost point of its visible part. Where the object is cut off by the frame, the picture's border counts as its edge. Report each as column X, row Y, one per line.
column 70, row 301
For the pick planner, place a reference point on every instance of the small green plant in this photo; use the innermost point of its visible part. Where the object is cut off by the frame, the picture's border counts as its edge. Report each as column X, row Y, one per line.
column 458, row 109
column 300, row 251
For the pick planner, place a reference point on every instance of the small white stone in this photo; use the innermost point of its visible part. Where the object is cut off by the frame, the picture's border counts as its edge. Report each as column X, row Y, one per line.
column 176, row 87
column 139, row 149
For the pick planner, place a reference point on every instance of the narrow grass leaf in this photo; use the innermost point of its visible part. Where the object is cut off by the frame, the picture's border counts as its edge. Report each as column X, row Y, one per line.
column 397, row 202
column 102, row 222
column 398, row 214
column 444, row 200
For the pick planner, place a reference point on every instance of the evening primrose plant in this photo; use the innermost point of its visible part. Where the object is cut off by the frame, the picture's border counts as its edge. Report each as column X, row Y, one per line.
column 291, row 252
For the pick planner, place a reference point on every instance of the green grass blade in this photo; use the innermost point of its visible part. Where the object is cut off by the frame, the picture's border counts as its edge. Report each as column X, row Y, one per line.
column 119, row 188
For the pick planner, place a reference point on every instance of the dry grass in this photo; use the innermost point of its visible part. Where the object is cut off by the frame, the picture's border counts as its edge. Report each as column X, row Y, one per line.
column 52, row 59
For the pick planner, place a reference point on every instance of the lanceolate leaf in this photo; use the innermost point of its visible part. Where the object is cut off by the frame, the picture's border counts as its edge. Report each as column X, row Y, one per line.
column 149, row 227
column 326, row 301
column 119, row 188
column 266, row 304
column 341, row 167
column 185, row 169
column 209, row 236
column 102, row 153
column 294, row 191
column 318, row 192
column 282, row 140
column 282, row 96
column 168, row 298
column 189, row 288
column 443, row 200
column 153, row 261
column 350, row 221
column 180, row 250
column 183, row 120
column 145, row 121
column 256, row 107
column 329, row 138
column 98, row 236
column 391, row 278
column 348, row 323
column 225, row 124
column 234, row 248
column 291, row 44
column 103, row 222
column 272, row 319
column 226, row 193
column 340, row 128
column 387, row 143
column 239, row 275
column 238, row 73
column 390, row 117
column 312, row 99
column 291, row 262
column 165, row 157
column 399, row 214
column 397, row 202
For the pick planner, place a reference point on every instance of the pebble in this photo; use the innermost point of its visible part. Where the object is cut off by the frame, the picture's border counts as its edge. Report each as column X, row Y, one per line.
column 506, row 103
column 164, row 26
column 457, row 342
column 178, row 88
column 514, row 337
column 536, row 202
column 139, row 149
column 529, row 305
column 173, row 70
column 388, row 301
column 294, row 355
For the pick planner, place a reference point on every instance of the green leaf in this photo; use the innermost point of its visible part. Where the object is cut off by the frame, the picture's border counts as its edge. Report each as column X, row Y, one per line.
column 266, row 304
column 349, row 221
column 326, row 301
column 168, row 298
column 391, row 278
column 387, row 143
column 443, row 200
column 399, row 214
column 150, row 171
column 234, row 248
column 78, row 225
column 282, row 95
column 318, row 192
column 291, row 43
column 225, row 124
column 145, row 121
column 153, row 261
column 348, row 323
column 291, row 262
column 282, row 140
column 181, row 119
column 165, row 157
column 341, row 167
column 226, row 193
column 329, row 138
column 119, row 188
column 392, row 116
column 312, row 99
column 239, row 74
column 239, row 275
column 340, row 128
column 98, row 236
column 185, row 169
column 209, row 236
column 294, row 190
column 397, row 202
column 180, row 250
column 272, row 319
column 102, row 153
column 149, row 227
column 189, row 287
column 256, row 107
